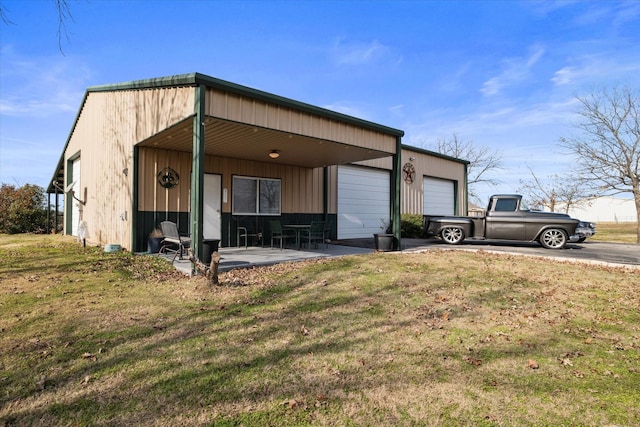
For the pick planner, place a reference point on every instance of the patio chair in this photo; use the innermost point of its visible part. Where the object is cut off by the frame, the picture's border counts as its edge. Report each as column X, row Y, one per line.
column 173, row 238
column 278, row 234
column 315, row 234
column 245, row 231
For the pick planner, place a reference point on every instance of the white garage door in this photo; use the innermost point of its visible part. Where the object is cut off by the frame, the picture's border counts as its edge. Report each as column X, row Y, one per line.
column 363, row 201
column 439, row 197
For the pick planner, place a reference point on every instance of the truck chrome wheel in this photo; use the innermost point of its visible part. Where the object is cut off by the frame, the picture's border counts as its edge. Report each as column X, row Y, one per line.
column 452, row 235
column 553, row 238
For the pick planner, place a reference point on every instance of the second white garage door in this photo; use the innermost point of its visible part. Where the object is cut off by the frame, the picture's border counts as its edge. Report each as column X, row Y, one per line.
column 439, row 197
column 363, row 201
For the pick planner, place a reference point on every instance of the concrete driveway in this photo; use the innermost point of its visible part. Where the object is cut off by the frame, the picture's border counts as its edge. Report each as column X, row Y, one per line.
column 598, row 252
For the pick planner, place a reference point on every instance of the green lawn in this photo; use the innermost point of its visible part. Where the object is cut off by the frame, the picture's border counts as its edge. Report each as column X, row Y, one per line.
column 436, row 338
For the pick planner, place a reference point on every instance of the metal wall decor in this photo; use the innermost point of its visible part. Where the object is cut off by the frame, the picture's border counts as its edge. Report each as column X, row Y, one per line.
column 168, row 178
column 408, row 173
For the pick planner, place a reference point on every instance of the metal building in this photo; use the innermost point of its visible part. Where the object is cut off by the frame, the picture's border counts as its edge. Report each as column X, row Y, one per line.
column 213, row 156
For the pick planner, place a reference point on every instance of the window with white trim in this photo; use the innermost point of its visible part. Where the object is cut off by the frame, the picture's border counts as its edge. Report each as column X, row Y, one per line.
column 256, row 196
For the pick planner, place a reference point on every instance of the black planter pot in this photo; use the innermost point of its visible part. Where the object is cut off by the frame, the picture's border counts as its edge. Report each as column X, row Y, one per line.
column 153, row 244
column 384, row 242
column 209, row 246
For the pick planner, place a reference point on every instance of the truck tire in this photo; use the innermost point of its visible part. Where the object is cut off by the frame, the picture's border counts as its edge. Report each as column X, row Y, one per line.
column 452, row 235
column 553, row 238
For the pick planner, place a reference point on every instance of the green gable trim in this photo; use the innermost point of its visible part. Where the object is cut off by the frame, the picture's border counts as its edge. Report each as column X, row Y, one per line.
column 434, row 154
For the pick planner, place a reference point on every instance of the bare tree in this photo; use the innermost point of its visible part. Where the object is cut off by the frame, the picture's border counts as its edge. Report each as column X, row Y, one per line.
column 607, row 146
column 3, row 15
column 482, row 161
column 64, row 15
column 554, row 192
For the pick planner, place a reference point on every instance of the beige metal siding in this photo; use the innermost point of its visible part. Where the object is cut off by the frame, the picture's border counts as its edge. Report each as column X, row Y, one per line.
column 425, row 166
column 301, row 187
column 253, row 112
column 436, row 167
column 108, row 126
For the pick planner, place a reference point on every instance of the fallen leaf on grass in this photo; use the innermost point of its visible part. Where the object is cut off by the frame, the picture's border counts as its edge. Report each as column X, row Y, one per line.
column 472, row 361
column 566, row 362
column 532, row 364
column 293, row 403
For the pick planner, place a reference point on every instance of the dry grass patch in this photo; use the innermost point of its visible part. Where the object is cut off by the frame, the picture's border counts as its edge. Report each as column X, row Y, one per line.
column 623, row 232
column 437, row 338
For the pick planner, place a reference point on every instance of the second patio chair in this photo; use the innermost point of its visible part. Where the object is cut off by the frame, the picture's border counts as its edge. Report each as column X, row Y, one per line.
column 277, row 233
column 315, row 234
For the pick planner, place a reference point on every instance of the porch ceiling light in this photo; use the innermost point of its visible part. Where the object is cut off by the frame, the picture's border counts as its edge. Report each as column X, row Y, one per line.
column 274, row 154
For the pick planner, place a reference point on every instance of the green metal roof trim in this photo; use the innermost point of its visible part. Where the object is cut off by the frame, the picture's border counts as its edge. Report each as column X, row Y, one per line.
column 434, row 154
column 196, row 79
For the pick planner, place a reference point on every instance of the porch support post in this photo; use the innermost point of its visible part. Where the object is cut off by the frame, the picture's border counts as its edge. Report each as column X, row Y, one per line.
column 465, row 208
column 134, row 201
column 47, row 229
column 55, row 215
column 396, row 185
column 197, row 174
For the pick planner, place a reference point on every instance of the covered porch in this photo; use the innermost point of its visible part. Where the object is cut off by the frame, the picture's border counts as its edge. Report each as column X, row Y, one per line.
column 213, row 157
column 241, row 134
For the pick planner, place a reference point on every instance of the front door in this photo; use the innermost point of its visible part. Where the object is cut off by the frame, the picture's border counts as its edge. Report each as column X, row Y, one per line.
column 212, row 206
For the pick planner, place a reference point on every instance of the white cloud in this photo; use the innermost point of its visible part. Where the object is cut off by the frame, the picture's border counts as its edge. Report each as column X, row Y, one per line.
column 358, row 53
column 347, row 108
column 593, row 68
column 513, row 70
column 37, row 87
column 564, row 76
column 397, row 110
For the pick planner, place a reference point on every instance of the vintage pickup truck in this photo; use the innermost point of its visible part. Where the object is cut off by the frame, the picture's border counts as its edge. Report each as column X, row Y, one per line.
column 508, row 218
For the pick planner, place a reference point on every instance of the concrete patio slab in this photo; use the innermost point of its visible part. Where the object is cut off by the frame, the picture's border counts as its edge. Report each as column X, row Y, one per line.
column 233, row 257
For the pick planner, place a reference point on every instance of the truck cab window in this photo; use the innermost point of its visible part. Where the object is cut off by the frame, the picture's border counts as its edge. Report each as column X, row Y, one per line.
column 506, row 205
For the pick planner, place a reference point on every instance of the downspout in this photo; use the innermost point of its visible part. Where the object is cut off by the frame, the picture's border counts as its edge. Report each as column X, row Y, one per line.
column 197, row 174
column 325, row 194
column 395, row 193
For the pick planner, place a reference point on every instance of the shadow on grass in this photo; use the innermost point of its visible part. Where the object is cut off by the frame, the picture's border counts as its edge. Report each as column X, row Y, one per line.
column 334, row 329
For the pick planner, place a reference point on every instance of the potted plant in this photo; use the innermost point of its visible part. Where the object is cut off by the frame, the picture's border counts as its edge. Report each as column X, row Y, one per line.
column 155, row 239
column 384, row 241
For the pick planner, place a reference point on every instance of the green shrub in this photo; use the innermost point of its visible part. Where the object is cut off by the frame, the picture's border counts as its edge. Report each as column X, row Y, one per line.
column 411, row 226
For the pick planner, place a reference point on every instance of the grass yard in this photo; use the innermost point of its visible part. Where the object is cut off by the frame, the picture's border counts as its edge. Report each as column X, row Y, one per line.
column 437, row 338
column 623, row 232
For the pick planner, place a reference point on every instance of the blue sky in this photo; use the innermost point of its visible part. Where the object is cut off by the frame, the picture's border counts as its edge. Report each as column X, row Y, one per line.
column 503, row 74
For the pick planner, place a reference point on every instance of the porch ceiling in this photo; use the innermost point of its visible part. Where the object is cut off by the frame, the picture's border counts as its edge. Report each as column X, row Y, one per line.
column 237, row 140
